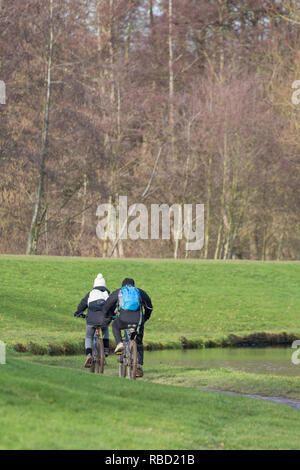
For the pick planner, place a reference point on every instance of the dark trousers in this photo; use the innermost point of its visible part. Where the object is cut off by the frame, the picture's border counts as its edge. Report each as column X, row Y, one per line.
column 122, row 324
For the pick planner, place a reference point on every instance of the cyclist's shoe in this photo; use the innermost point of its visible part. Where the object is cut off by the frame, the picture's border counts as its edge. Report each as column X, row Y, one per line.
column 139, row 371
column 106, row 352
column 88, row 361
column 119, row 348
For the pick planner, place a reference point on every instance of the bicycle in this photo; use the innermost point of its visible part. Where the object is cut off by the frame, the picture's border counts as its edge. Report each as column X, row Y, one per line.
column 98, row 355
column 128, row 359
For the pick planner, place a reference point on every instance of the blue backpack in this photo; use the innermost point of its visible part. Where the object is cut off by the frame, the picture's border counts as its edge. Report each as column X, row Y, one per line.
column 130, row 298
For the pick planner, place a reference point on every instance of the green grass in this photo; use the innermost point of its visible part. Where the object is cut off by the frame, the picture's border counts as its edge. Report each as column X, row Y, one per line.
column 226, row 379
column 207, row 303
column 54, row 407
column 168, row 373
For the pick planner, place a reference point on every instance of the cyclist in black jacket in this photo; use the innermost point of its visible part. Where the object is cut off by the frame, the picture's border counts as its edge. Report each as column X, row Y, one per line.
column 94, row 302
column 127, row 317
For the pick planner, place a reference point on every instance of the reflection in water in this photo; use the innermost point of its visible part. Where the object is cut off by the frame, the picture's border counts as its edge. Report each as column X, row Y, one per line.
column 274, row 361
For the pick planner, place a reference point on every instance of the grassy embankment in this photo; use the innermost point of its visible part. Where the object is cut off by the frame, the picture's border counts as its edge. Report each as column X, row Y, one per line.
column 52, row 407
column 196, row 304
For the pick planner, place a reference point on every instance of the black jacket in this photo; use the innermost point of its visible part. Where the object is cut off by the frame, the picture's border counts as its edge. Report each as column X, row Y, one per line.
column 95, row 315
column 112, row 303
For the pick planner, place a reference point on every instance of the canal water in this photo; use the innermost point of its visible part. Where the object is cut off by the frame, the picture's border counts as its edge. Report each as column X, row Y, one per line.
column 273, row 361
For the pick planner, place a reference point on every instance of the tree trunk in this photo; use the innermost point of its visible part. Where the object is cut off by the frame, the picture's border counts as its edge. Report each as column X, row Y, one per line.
column 84, row 197
column 177, row 233
column 207, row 224
column 128, row 34
column 279, row 250
column 151, row 13
column 264, row 244
column 223, row 200
column 171, row 78
column 108, row 231
column 35, row 222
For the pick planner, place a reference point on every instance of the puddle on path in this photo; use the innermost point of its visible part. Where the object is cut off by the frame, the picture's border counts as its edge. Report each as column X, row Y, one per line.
column 283, row 401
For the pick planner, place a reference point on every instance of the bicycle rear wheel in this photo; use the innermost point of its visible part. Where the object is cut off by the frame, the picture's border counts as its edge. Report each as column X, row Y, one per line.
column 122, row 366
column 92, row 368
column 100, row 357
column 133, row 359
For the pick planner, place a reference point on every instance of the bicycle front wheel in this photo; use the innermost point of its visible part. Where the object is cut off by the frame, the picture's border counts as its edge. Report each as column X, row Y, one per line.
column 123, row 361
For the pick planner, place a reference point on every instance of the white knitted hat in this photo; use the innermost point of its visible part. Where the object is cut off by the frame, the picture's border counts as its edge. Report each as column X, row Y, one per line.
column 99, row 281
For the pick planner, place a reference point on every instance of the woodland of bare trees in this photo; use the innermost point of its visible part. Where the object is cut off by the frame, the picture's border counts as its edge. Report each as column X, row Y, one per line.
column 164, row 101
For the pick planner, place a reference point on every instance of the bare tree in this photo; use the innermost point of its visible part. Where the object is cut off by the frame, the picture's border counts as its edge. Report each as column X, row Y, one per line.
column 37, row 216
